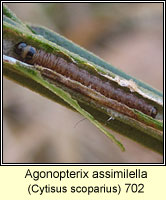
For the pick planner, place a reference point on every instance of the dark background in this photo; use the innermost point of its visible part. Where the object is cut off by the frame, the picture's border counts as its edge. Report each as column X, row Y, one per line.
column 127, row 35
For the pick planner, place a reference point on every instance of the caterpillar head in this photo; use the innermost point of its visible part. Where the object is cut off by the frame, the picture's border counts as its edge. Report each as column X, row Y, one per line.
column 26, row 52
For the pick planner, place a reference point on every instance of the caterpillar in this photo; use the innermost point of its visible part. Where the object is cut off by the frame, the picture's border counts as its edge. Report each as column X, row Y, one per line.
column 70, row 70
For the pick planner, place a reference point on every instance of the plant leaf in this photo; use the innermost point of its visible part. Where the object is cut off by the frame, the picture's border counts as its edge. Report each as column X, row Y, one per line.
column 145, row 130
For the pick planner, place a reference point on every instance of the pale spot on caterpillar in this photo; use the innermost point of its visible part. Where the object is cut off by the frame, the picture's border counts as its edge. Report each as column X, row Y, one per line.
column 110, row 118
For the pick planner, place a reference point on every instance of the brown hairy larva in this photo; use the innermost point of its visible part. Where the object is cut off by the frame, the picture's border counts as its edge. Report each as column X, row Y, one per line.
column 70, row 70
